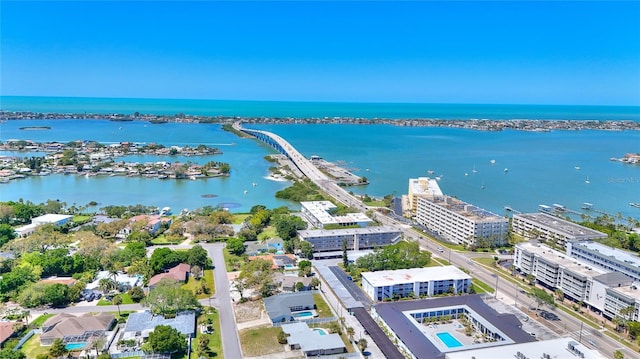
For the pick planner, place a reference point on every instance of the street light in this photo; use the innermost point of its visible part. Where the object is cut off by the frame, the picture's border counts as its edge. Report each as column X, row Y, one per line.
column 495, row 295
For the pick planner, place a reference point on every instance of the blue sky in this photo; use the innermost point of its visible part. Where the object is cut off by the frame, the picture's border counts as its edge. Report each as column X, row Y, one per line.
column 432, row 52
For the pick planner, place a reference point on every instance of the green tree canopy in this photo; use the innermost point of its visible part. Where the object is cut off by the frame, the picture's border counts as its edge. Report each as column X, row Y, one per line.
column 402, row 255
column 235, row 246
column 168, row 297
column 166, row 339
column 542, row 297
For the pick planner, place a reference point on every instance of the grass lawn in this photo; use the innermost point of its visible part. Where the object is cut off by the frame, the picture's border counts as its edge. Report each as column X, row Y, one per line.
column 195, row 284
column 434, row 263
column 126, row 299
column 322, row 307
column 481, row 287
column 267, row 233
column 32, row 347
column 161, row 239
column 260, row 341
column 41, row 319
column 81, row 218
column 215, row 339
column 486, row 261
column 240, row 217
column 230, row 259
column 375, row 204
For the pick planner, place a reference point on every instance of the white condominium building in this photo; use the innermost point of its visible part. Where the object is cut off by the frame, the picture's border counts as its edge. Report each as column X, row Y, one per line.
column 605, row 291
column 546, row 227
column 415, row 282
column 618, row 299
column 328, row 240
column 423, row 187
column 319, row 214
column 461, row 222
column 605, row 257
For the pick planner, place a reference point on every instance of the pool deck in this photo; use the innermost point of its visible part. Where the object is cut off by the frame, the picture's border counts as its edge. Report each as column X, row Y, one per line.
column 455, row 329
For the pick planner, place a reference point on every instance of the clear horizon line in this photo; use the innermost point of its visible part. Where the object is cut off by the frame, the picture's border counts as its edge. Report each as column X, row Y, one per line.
column 320, row 101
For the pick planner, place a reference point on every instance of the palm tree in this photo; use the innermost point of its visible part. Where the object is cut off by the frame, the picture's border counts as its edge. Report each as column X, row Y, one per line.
column 117, row 300
column 106, row 284
column 362, row 344
column 351, row 332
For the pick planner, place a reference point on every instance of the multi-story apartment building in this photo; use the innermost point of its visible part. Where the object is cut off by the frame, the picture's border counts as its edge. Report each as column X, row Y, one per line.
column 605, row 257
column 415, row 282
column 545, row 227
column 319, row 214
column 618, row 299
column 602, row 290
column 423, row 187
column 328, row 240
column 462, row 223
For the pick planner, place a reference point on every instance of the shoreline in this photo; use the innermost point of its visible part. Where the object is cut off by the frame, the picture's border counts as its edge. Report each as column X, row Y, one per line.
column 533, row 125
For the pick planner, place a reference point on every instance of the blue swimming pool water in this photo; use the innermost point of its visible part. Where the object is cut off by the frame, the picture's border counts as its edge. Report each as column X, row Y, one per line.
column 288, row 265
column 303, row 314
column 321, row 331
column 449, row 340
column 75, row 346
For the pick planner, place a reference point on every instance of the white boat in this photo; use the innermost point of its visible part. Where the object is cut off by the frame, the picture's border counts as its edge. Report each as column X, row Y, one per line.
column 466, row 174
column 474, row 169
column 245, row 191
column 254, row 184
column 193, row 178
column 506, row 170
column 492, row 161
column 587, row 180
column 632, row 204
column 430, row 172
column 577, row 168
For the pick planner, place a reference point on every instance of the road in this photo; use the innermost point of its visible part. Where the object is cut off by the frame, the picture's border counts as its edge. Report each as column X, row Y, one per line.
column 228, row 328
column 506, row 290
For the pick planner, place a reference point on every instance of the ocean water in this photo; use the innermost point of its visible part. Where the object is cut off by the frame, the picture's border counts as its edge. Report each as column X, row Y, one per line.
column 315, row 109
column 540, row 164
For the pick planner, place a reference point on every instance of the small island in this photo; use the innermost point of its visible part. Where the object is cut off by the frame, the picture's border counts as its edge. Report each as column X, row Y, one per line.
column 35, row 128
column 90, row 158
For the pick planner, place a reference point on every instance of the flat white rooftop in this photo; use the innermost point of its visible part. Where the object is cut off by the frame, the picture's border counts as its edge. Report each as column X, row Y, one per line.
column 314, row 233
column 567, row 228
column 554, row 348
column 424, row 186
column 607, row 251
column 50, row 218
column 401, row 276
column 630, row 291
column 550, row 255
column 320, row 210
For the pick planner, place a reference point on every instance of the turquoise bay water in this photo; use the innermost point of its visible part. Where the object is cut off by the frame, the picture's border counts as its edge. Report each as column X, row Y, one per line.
column 314, row 109
column 540, row 165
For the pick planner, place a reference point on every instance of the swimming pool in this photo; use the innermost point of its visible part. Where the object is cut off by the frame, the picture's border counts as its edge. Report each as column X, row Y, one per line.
column 288, row 266
column 320, row 331
column 75, row 346
column 303, row 314
column 448, row 340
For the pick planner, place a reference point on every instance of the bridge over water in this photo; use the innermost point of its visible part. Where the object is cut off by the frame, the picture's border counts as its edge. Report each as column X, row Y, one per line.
column 304, row 165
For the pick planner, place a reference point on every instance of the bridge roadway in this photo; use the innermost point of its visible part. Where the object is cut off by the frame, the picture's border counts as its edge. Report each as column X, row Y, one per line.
column 508, row 291
column 304, row 165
